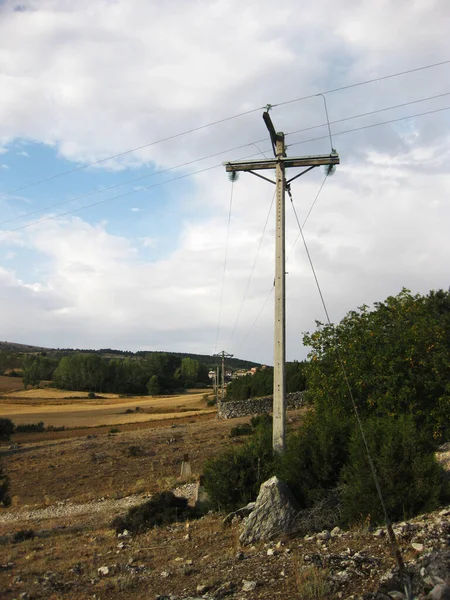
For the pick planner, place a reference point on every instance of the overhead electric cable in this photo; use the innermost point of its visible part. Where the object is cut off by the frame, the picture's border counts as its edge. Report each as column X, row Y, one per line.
column 367, row 114
column 224, row 266
column 392, row 538
column 219, row 165
column 134, row 180
column 217, row 122
column 253, row 267
column 324, row 137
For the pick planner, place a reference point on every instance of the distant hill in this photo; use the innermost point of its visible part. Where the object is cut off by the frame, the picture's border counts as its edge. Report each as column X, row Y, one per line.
column 210, row 361
column 13, row 347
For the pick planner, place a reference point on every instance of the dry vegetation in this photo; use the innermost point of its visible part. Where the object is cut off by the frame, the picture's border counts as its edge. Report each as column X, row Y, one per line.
column 60, row 408
column 68, row 490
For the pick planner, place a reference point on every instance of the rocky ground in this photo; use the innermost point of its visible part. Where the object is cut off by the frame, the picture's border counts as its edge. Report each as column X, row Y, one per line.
column 74, row 553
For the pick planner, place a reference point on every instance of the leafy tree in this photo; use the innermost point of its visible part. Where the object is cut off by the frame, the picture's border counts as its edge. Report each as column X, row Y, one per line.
column 153, row 386
column 397, row 360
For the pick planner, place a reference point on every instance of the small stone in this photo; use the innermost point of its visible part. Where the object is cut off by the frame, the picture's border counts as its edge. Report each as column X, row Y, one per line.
column 396, row 595
column 417, row 547
column 103, row 571
column 121, row 545
column 240, row 556
column 248, row 586
column 24, row 596
column 379, row 533
column 270, row 552
column 165, row 574
column 335, row 531
column 323, row 535
column 202, row 588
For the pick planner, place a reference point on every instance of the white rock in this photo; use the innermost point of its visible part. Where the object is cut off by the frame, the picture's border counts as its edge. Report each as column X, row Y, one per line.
column 275, row 513
column 335, row 531
column 418, row 547
column 270, row 552
column 248, row 586
column 323, row 535
column 379, row 533
column 103, row 570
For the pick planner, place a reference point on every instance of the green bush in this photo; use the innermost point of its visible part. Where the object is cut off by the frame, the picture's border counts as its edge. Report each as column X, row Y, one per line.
column 5, row 499
column 233, row 478
column 24, row 534
column 265, row 420
column 410, row 478
column 315, row 456
column 31, row 427
column 243, row 429
column 92, row 395
column 6, row 429
column 164, row 508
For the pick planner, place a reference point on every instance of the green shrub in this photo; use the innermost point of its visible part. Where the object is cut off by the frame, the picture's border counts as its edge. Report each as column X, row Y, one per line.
column 243, row 429
column 265, row 420
column 233, row 478
column 314, row 457
column 410, row 478
column 31, row 427
column 6, row 429
column 92, row 395
column 114, row 430
column 23, row 535
column 164, row 508
column 5, row 499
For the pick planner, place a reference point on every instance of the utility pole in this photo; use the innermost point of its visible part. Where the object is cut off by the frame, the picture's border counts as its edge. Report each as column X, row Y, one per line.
column 223, row 354
column 217, row 385
column 280, row 163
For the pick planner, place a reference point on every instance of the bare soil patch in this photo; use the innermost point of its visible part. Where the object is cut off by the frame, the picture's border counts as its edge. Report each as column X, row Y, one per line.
column 8, row 384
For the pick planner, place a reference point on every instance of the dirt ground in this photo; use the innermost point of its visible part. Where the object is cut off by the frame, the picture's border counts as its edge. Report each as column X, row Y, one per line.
column 68, row 490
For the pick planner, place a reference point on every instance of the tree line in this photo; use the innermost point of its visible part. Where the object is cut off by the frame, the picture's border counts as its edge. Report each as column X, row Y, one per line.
column 261, row 383
column 158, row 373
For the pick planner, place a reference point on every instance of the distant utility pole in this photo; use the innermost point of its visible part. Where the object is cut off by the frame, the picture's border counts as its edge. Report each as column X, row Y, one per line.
column 223, row 354
column 280, row 163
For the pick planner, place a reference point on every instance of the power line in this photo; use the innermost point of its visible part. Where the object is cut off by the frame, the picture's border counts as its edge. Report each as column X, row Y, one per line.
column 134, row 180
column 253, row 268
column 391, row 534
column 224, row 266
column 322, row 137
column 353, row 85
column 367, row 114
column 217, row 122
column 219, row 165
column 244, row 339
column 68, row 212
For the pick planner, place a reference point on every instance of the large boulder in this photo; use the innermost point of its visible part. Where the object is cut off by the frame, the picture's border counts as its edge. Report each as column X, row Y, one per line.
column 275, row 513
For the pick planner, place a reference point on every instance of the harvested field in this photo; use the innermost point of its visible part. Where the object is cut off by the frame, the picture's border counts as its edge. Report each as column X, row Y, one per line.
column 60, row 408
column 8, row 384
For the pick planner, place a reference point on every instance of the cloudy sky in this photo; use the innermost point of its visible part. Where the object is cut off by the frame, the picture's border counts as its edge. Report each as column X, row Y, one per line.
column 129, row 252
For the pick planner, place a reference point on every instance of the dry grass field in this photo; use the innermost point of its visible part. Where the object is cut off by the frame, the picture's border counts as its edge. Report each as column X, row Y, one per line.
column 68, row 490
column 8, row 384
column 60, row 408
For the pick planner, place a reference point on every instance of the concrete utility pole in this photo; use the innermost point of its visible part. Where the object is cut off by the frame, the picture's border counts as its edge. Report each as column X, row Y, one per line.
column 223, row 354
column 280, row 163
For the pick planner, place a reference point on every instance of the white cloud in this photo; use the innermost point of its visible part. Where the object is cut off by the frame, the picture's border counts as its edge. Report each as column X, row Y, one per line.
column 96, row 77
column 3, row 166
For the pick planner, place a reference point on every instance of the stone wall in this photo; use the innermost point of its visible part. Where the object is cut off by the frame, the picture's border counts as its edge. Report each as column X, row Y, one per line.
column 257, row 406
